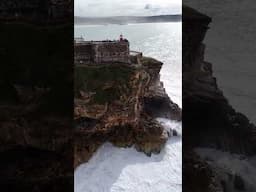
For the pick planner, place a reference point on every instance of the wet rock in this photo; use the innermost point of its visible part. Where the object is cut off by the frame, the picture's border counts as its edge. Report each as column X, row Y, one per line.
column 174, row 133
column 199, row 175
column 162, row 106
column 239, row 183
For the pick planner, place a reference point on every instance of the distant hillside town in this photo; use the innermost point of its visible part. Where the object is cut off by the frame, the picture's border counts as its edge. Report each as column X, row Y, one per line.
column 36, row 10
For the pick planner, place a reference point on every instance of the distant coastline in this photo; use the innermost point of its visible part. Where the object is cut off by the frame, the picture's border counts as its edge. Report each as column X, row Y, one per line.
column 123, row 20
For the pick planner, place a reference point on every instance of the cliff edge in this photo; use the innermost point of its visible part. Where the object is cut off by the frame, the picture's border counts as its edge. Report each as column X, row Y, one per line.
column 209, row 120
column 118, row 103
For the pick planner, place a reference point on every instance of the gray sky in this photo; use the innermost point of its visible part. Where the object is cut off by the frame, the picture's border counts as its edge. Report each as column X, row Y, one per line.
column 103, row 8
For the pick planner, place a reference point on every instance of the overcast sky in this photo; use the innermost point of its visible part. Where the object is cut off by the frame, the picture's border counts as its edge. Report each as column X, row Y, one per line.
column 103, row 8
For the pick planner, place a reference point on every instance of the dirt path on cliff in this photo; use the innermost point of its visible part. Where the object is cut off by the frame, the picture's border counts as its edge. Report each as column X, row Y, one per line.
column 141, row 91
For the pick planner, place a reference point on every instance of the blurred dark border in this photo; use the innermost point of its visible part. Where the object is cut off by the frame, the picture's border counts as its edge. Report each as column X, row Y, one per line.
column 36, row 100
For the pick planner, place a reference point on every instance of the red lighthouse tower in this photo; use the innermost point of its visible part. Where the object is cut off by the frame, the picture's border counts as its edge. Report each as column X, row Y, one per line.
column 121, row 37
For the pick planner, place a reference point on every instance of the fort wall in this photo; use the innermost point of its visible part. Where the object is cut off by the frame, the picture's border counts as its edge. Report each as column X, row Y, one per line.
column 102, row 52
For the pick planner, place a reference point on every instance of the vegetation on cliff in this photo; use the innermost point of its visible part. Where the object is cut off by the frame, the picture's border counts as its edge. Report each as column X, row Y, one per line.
column 110, row 106
column 106, row 83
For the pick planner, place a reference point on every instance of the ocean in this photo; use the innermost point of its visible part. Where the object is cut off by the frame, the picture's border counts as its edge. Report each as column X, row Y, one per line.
column 113, row 169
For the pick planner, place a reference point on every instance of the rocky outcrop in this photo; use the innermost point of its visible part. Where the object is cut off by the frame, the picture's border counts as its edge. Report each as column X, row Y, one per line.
column 120, row 106
column 198, row 175
column 208, row 119
column 158, row 104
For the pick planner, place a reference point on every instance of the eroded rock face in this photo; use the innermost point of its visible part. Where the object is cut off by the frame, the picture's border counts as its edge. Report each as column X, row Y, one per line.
column 208, row 119
column 120, row 106
column 158, row 104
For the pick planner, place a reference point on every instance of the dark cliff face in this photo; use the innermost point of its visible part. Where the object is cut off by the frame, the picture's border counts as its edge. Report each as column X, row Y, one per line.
column 208, row 119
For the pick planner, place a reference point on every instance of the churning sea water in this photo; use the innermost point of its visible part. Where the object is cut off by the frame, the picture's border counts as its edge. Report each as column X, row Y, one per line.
column 113, row 169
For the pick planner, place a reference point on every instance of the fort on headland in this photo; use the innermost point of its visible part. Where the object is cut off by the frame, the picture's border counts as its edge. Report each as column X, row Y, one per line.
column 98, row 52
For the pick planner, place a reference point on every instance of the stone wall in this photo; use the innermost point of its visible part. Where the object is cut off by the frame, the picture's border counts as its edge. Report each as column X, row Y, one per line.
column 84, row 53
column 112, row 52
column 102, row 52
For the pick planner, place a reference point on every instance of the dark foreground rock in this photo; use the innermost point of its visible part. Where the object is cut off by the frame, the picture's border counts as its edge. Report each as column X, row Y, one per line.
column 31, row 169
column 197, row 175
column 36, row 124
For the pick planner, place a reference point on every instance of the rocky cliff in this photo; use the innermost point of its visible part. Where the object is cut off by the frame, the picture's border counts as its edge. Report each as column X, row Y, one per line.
column 205, row 107
column 208, row 119
column 118, row 103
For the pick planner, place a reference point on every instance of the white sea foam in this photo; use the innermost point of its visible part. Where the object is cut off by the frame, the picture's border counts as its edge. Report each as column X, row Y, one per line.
column 113, row 169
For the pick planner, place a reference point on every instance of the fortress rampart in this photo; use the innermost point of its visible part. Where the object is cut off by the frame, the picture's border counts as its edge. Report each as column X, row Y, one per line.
column 102, row 51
